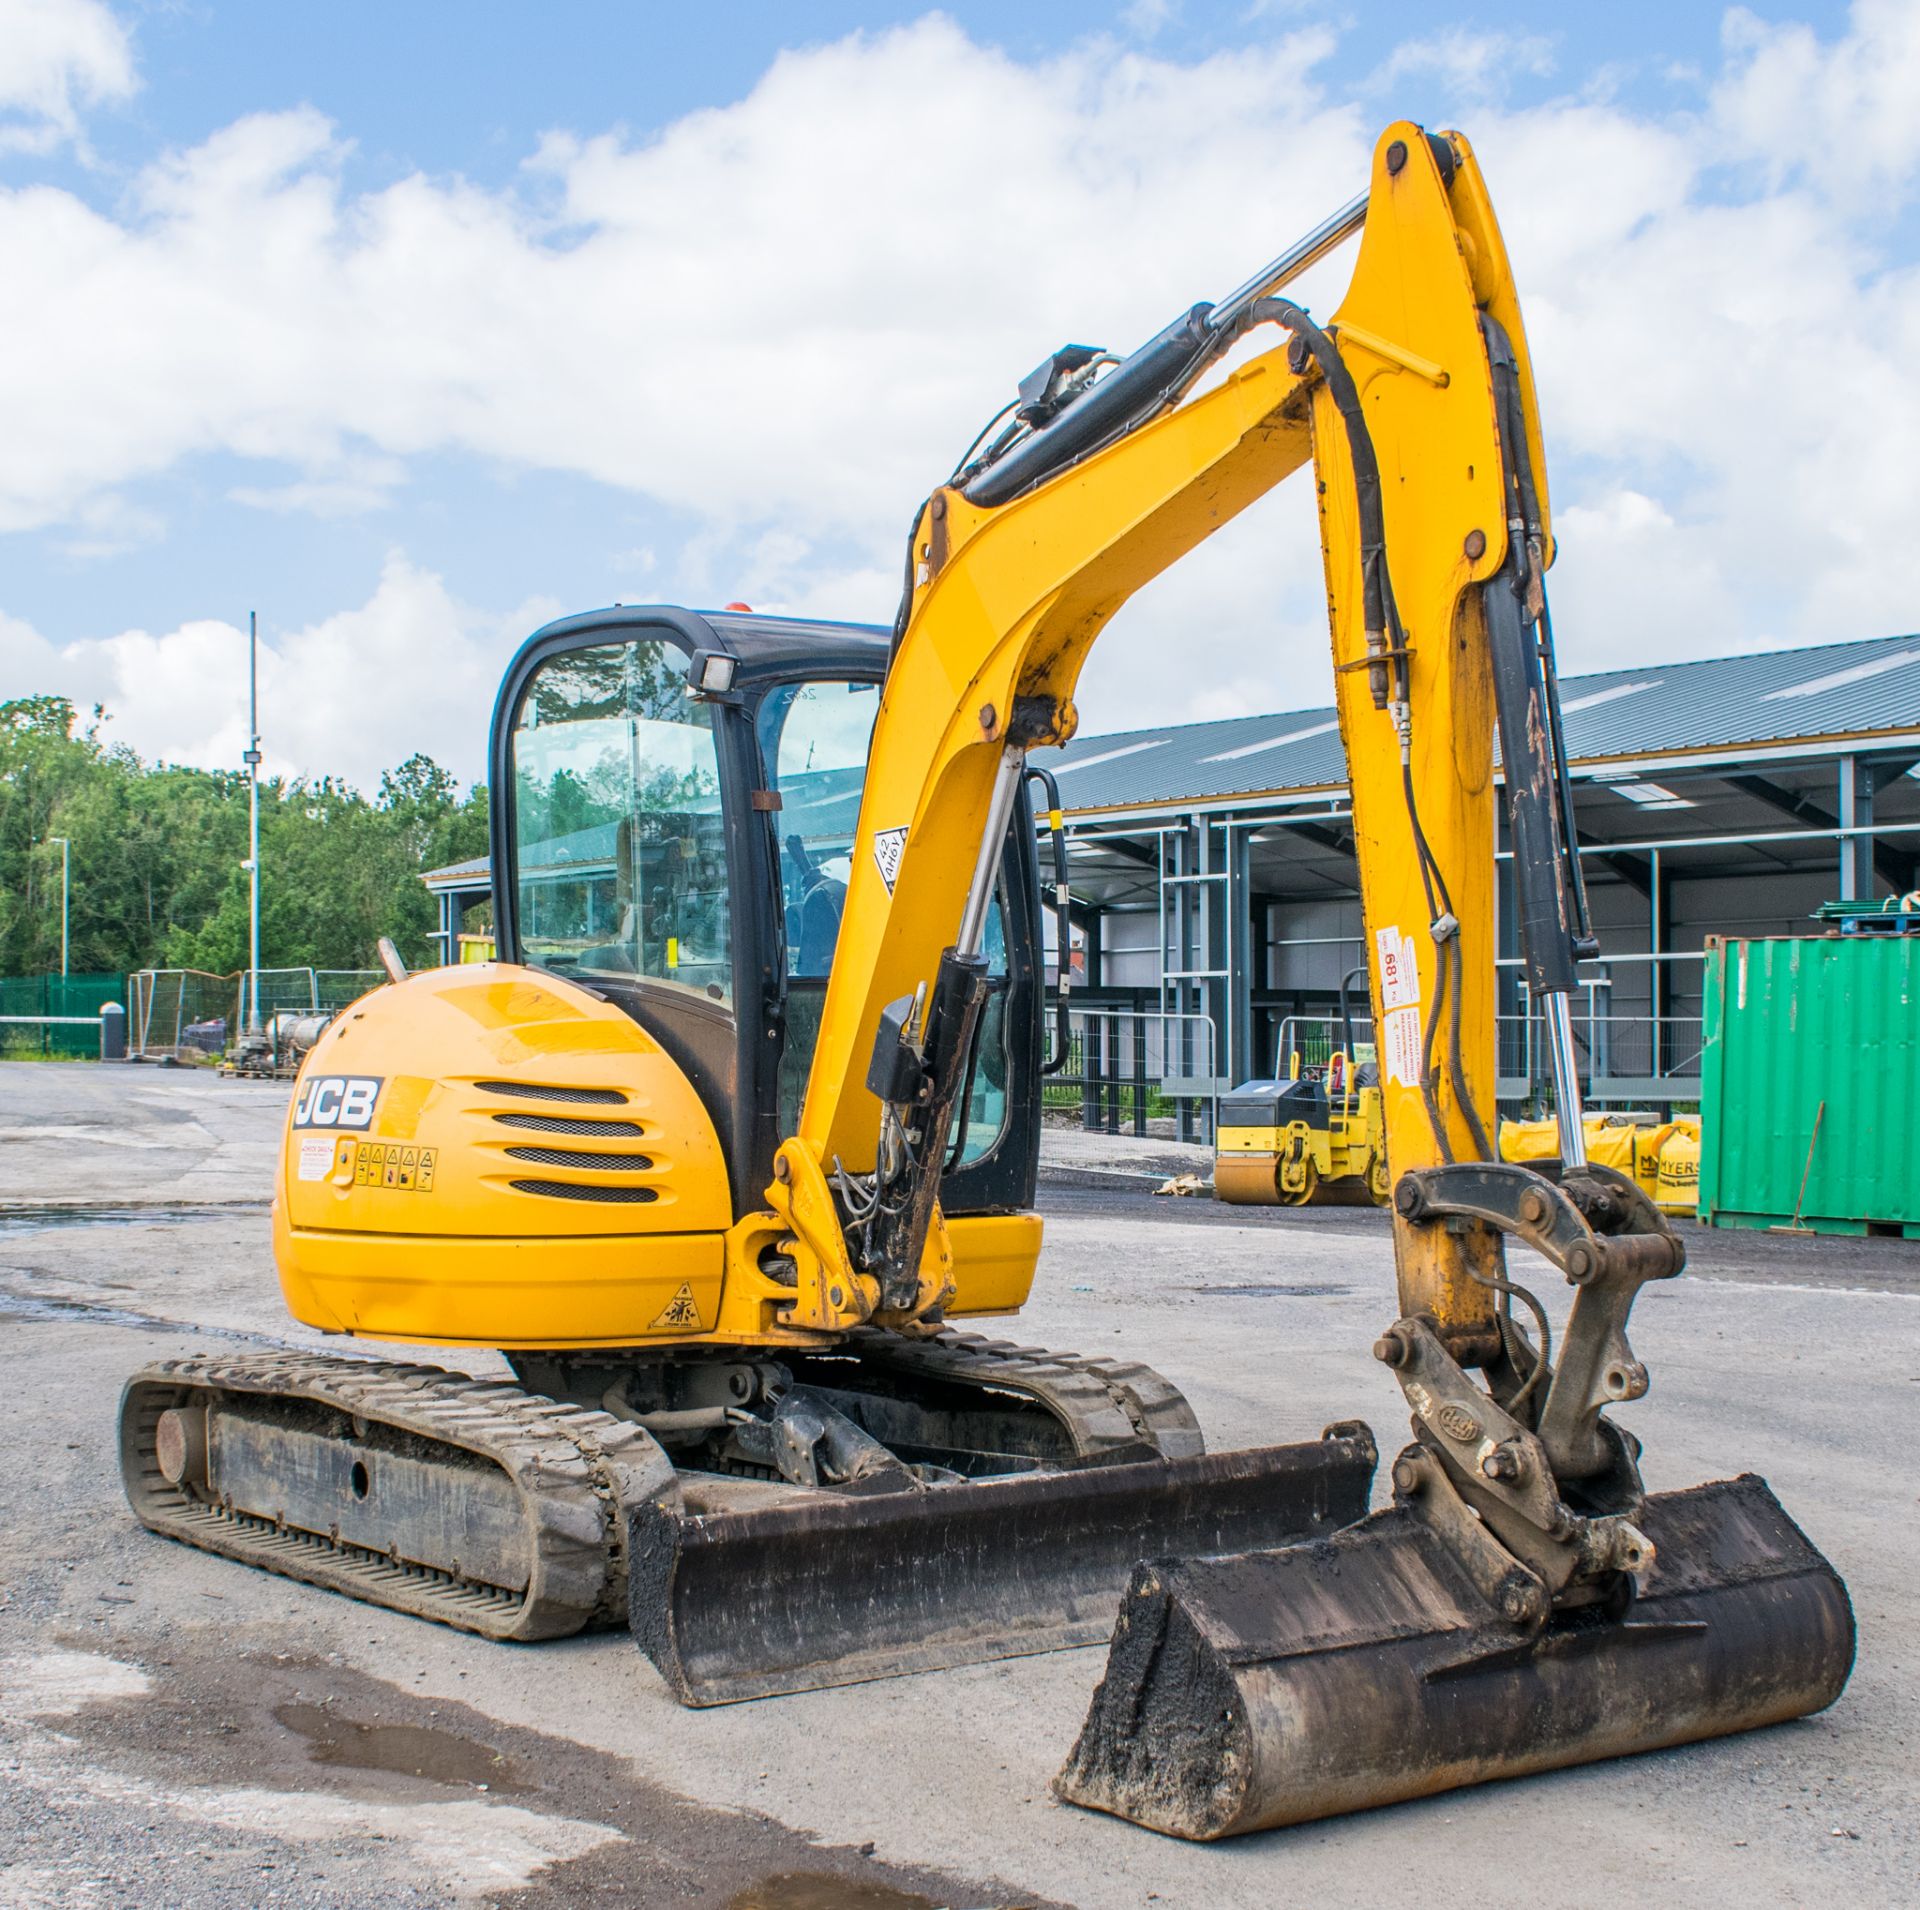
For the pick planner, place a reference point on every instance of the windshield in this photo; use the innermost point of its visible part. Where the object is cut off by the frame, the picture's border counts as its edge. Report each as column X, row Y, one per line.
column 620, row 854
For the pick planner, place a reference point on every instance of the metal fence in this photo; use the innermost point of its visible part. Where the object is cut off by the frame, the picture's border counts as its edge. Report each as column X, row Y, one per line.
column 1316, row 1039
column 1622, row 1058
column 179, row 1014
column 44, row 1016
column 1627, row 1054
column 185, row 1014
column 301, row 991
column 1127, row 1064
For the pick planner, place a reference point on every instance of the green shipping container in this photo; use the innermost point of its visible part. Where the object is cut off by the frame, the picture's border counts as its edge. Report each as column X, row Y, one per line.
column 1793, row 1027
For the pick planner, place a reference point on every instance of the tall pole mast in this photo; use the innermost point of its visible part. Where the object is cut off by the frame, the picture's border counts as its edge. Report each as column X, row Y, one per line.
column 66, row 885
column 253, row 815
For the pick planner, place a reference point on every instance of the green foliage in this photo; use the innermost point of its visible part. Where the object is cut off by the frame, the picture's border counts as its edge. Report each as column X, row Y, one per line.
column 157, row 876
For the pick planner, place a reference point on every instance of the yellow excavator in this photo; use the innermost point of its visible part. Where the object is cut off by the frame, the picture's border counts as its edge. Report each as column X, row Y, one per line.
column 740, row 1133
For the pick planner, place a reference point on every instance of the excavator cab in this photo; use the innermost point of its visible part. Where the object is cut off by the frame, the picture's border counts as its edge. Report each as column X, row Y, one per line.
column 675, row 798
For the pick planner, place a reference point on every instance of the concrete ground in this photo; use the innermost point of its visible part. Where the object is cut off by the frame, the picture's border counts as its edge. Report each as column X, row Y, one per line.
column 176, row 1730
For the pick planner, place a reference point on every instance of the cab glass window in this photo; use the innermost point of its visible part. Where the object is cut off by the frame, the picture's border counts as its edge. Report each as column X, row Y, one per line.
column 814, row 739
column 620, row 847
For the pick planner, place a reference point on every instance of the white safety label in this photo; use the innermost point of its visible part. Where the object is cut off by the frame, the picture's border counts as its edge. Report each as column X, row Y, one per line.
column 316, row 1156
column 1400, row 1000
column 1399, row 970
column 1403, row 1047
column 889, row 846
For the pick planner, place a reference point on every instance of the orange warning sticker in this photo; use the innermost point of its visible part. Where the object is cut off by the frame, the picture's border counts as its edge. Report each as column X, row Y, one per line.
column 407, row 1170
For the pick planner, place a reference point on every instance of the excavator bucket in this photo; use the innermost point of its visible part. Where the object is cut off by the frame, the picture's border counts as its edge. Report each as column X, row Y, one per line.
column 1268, row 1688
column 747, row 1589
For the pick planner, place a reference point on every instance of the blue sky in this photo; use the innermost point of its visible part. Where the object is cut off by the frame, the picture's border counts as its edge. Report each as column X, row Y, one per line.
column 465, row 88
column 410, row 326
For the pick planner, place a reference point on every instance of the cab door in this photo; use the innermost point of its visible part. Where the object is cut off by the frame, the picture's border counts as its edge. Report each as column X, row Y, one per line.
column 622, row 861
column 813, row 736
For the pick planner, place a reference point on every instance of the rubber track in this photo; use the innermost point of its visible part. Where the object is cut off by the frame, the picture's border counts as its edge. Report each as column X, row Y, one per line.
column 575, row 1469
column 1106, row 1405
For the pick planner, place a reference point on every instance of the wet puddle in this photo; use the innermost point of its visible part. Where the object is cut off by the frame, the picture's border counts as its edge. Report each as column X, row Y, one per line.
column 29, row 1306
column 15, row 1221
column 1301, row 1291
column 409, row 1750
column 816, row 1890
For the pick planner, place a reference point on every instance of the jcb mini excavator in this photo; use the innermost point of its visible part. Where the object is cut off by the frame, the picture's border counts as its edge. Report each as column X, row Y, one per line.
column 744, row 1122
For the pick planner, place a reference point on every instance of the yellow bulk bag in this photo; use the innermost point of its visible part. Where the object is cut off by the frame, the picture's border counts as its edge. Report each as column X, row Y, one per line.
column 1609, row 1142
column 1677, row 1184
column 1529, row 1140
column 1647, row 1143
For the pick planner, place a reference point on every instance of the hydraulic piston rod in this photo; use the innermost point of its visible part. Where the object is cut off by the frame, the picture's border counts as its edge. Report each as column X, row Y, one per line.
column 1006, row 785
column 1566, row 1081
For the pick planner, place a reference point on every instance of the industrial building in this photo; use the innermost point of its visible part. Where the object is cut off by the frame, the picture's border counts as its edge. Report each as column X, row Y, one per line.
column 1216, row 897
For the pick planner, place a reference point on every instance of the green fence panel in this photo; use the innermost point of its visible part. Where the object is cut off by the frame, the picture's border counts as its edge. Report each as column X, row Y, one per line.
column 55, row 995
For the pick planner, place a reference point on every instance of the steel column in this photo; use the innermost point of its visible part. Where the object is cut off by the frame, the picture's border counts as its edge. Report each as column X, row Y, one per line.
column 1856, row 812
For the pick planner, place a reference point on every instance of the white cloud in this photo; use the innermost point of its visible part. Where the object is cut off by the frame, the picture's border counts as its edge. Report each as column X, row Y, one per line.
column 1470, row 66
column 1147, row 17
column 766, row 315
column 782, row 318
column 55, row 57
column 107, row 524
column 353, row 485
column 410, row 669
column 1842, row 111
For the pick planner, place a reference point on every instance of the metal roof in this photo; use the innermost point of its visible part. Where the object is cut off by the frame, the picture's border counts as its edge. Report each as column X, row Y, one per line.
column 1865, row 691
column 473, row 874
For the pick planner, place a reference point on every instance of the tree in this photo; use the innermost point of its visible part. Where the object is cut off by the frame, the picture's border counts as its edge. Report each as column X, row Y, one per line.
column 157, row 851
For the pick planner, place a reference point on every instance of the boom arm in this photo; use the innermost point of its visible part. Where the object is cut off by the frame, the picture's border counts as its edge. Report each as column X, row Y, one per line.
column 1007, row 595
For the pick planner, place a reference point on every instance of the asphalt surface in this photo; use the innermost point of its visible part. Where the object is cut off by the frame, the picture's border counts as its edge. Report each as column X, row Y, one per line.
column 177, row 1730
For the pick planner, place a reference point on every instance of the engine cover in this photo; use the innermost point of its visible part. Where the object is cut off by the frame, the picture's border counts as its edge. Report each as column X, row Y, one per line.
column 484, row 1154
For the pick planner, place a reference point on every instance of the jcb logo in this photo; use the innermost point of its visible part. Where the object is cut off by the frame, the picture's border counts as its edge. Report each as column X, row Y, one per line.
column 337, row 1100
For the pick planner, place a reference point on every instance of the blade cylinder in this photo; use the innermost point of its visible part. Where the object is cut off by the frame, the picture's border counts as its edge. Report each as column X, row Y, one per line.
column 1245, row 1693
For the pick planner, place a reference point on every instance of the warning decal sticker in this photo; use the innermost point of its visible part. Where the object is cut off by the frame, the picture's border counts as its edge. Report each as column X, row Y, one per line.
column 683, row 1310
column 407, row 1170
column 889, row 845
column 1400, row 1001
column 316, row 1156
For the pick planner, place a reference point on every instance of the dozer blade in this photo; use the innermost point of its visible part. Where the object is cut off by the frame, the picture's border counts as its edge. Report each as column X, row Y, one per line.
column 1244, row 1693
column 815, row 1589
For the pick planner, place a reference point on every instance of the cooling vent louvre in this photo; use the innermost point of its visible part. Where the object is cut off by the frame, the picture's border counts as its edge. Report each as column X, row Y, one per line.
column 562, row 1124
column 529, row 1091
column 572, row 1190
column 576, row 1157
